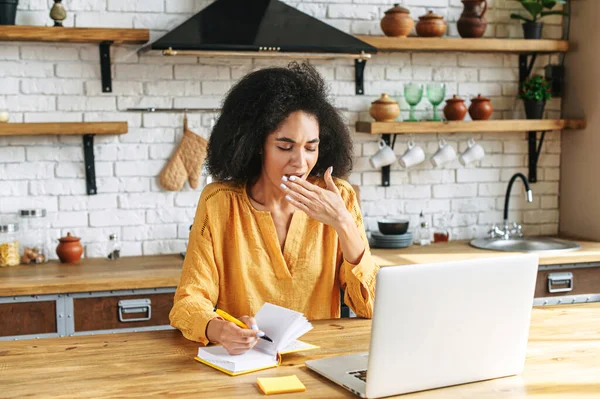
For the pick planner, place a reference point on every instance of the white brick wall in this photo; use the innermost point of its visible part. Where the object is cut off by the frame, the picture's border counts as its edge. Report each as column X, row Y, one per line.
column 61, row 82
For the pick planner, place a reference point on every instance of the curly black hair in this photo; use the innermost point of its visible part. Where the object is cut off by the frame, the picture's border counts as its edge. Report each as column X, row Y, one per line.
column 254, row 108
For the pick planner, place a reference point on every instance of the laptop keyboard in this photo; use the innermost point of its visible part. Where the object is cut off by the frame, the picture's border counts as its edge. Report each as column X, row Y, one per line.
column 360, row 374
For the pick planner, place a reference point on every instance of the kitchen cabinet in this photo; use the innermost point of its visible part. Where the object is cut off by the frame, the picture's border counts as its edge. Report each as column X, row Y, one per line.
column 568, row 283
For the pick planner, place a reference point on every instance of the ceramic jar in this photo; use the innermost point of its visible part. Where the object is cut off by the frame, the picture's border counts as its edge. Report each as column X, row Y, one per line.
column 481, row 108
column 472, row 22
column 385, row 109
column 455, row 109
column 70, row 249
column 397, row 22
column 431, row 25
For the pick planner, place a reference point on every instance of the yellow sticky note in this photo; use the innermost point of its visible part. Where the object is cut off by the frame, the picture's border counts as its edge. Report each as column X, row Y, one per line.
column 287, row 384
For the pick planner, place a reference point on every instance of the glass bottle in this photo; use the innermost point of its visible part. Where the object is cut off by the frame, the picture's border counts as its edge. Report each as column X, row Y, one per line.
column 114, row 247
column 442, row 231
column 424, row 233
column 34, row 236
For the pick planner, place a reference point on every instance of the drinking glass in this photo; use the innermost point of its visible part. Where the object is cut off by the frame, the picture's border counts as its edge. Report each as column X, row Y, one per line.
column 435, row 94
column 413, row 93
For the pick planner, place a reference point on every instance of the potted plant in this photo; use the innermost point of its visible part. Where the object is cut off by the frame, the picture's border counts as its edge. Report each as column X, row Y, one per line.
column 532, row 29
column 535, row 91
column 8, row 11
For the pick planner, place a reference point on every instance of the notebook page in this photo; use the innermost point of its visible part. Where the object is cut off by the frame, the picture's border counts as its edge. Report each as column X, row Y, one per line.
column 300, row 327
column 252, row 359
column 275, row 321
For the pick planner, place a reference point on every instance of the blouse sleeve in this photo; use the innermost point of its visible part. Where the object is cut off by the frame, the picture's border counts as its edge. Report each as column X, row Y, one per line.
column 358, row 280
column 198, row 288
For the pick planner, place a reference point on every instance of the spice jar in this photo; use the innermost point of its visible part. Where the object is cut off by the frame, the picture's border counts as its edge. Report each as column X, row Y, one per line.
column 114, row 247
column 9, row 244
column 34, row 236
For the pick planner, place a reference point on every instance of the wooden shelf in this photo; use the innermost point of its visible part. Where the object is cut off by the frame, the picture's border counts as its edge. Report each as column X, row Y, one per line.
column 490, row 126
column 73, row 35
column 483, row 45
column 68, row 128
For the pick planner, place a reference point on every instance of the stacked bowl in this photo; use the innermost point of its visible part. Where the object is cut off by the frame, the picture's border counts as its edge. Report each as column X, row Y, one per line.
column 393, row 233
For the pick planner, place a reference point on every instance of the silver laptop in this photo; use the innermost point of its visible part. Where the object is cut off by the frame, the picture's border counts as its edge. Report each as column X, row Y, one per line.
column 442, row 324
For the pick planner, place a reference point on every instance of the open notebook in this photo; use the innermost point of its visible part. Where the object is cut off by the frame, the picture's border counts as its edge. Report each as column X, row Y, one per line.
column 282, row 325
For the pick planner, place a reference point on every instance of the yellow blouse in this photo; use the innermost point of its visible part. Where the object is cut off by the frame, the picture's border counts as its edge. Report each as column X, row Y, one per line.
column 234, row 260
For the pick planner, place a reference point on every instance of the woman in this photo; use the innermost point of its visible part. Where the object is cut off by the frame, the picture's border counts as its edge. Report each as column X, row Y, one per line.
column 277, row 226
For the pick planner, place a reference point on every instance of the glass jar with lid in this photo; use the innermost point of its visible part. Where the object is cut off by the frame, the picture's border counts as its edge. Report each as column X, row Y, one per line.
column 9, row 244
column 34, row 236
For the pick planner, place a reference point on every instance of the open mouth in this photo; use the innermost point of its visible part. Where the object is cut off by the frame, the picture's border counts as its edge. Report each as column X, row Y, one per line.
column 298, row 175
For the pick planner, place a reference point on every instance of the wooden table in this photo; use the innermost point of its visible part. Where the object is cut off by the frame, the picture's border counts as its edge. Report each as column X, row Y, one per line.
column 563, row 361
column 139, row 272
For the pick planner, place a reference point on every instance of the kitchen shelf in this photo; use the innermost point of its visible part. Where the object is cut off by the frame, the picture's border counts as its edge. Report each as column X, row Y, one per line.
column 104, row 37
column 87, row 129
column 481, row 45
column 489, row 126
column 68, row 128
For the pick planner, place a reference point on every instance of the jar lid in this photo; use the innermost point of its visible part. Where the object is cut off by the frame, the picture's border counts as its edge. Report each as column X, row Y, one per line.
column 455, row 99
column 113, row 237
column 384, row 99
column 9, row 228
column 431, row 15
column 398, row 9
column 33, row 213
column 69, row 238
column 480, row 98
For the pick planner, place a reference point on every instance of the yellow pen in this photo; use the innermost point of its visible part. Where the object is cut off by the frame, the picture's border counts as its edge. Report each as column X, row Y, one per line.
column 238, row 323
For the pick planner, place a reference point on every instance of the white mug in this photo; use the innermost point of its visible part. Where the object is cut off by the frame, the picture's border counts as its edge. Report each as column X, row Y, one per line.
column 414, row 155
column 474, row 153
column 445, row 154
column 384, row 157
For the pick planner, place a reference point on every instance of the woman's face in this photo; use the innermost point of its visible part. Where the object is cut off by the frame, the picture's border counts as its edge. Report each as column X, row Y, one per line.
column 292, row 149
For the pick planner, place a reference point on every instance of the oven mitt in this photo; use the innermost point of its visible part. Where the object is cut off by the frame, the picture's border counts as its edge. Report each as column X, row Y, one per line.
column 186, row 162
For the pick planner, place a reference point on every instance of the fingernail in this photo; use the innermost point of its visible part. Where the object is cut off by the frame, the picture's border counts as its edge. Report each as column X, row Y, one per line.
column 284, row 178
column 260, row 334
column 292, row 178
column 287, row 197
column 283, row 186
column 331, row 170
column 254, row 327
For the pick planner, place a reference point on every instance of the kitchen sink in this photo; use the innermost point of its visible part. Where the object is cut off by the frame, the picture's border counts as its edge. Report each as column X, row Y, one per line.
column 526, row 244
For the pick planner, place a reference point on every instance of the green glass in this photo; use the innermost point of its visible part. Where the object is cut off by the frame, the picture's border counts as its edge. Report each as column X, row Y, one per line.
column 435, row 94
column 413, row 93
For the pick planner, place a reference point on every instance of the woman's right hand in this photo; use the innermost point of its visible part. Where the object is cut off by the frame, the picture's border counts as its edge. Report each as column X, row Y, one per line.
column 234, row 339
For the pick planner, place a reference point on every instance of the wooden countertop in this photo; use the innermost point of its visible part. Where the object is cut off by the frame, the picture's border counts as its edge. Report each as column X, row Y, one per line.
column 164, row 270
column 562, row 362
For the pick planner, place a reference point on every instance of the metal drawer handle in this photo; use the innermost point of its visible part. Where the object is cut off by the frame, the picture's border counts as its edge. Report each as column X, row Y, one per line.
column 560, row 279
column 135, row 306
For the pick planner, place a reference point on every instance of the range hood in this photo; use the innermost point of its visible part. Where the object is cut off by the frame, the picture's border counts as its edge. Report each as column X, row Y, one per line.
column 256, row 27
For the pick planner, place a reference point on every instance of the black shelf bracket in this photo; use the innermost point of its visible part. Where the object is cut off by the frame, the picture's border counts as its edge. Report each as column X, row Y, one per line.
column 359, row 75
column 385, row 171
column 534, row 154
column 105, row 66
column 90, row 169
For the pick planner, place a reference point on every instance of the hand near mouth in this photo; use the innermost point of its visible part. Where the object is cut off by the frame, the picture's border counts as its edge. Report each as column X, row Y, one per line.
column 323, row 204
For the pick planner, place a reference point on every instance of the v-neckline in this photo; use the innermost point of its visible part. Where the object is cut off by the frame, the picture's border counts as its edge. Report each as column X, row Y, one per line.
column 283, row 259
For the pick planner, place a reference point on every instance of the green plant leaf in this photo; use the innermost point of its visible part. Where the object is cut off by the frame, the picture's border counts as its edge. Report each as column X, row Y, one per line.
column 519, row 16
column 533, row 8
column 548, row 3
column 545, row 13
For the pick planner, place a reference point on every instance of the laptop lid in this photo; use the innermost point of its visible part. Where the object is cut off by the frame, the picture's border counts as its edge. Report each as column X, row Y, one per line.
column 449, row 323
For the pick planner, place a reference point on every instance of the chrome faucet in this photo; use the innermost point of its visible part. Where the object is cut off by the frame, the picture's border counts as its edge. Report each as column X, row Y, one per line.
column 509, row 229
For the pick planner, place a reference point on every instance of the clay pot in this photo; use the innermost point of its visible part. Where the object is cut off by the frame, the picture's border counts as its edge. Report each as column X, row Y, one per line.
column 455, row 109
column 472, row 23
column 70, row 249
column 385, row 109
column 431, row 25
column 480, row 109
column 397, row 22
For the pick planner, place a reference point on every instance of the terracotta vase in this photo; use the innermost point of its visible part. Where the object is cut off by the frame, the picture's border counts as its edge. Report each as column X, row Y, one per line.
column 385, row 109
column 455, row 109
column 481, row 108
column 472, row 22
column 431, row 25
column 70, row 249
column 397, row 22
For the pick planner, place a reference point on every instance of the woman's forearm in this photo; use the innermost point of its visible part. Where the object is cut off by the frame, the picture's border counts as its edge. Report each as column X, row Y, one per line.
column 351, row 242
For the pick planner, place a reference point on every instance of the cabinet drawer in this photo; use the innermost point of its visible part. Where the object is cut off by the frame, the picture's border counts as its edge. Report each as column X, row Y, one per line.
column 121, row 311
column 567, row 281
column 28, row 318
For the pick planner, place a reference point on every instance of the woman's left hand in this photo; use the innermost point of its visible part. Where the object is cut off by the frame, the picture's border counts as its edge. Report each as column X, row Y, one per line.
column 324, row 205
